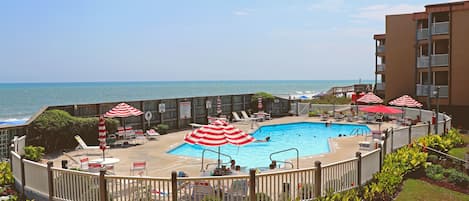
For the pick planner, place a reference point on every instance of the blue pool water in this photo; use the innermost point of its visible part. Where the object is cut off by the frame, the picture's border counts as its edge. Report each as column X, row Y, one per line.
column 309, row 138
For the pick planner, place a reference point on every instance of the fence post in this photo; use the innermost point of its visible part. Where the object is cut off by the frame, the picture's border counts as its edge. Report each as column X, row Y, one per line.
column 444, row 125
column 174, row 186
column 359, row 168
column 252, row 184
column 385, row 140
column 380, row 156
column 50, row 179
column 102, row 185
column 23, row 178
column 392, row 140
column 429, row 130
column 317, row 179
column 410, row 134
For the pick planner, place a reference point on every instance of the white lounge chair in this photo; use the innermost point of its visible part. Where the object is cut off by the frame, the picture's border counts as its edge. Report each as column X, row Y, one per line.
column 152, row 134
column 195, row 125
column 237, row 119
column 246, row 116
column 83, row 145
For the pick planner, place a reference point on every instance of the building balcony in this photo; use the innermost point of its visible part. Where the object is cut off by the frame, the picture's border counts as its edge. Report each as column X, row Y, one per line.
column 380, row 86
column 422, row 90
column 380, row 49
column 437, row 60
column 422, row 34
column 440, row 28
column 380, row 67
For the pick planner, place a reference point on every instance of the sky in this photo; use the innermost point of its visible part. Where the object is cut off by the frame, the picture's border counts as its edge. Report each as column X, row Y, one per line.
column 174, row 40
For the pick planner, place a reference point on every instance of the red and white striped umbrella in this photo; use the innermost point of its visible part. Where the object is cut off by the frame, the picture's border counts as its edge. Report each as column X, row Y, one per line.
column 123, row 110
column 405, row 101
column 219, row 105
column 370, row 97
column 102, row 133
column 259, row 103
column 218, row 133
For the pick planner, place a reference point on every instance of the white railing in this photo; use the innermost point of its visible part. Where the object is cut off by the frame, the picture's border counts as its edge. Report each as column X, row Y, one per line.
column 139, row 188
column 422, row 34
column 340, row 176
column 440, row 28
column 380, row 67
column 380, row 86
column 439, row 59
column 370, row 165
column 75, row 185
column 16, row 167
column 380, row 49
column 36, row 176
column 287, row 185
column 423, row 62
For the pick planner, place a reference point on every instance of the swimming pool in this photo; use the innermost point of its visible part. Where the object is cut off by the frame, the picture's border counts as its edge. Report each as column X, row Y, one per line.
column 308, row 137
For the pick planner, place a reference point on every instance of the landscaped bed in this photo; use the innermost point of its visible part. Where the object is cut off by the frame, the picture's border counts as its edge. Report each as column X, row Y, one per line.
column 415, row 189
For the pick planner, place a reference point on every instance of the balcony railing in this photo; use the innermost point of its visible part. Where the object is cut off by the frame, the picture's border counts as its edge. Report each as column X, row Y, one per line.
column 437, row 60
column 422, row 34
column 440, row 28
column 380, row 86
column 422, row 90
column 380, row 67
column 440, row 60
column 422, row 62
column 380, row 49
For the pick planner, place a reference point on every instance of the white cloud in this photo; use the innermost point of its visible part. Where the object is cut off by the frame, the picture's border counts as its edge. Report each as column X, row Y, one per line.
column 378, row 12
column 243, row 12
column 328, row 5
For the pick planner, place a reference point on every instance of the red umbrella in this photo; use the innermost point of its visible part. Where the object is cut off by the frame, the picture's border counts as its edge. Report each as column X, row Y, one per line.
column 123, row 110
column 370, row 97
column 218, row 133
column 219, row 105
column 405, row 101
column 102, row 134
column 381, row 109
column 259, row 103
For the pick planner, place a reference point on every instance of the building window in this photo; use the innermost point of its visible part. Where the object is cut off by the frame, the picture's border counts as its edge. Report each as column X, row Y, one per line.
column 441, row 78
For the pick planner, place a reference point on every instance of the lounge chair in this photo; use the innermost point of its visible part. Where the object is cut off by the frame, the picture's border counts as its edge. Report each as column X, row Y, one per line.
column 195, row 125
column 140, row 167
column 152, row 134
column 84, row 163
column 324, row 117
column 237, row 119
column 246, row 116
column 140, row 137
column 83, row 145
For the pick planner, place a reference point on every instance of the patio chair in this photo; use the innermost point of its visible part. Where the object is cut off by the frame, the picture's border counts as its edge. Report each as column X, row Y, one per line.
column 140, row 137
column 120, row 132
column 237, row 119
column 129, row 133
column 94, row 167
column 246, row 116
column 84, row 163
column 140, row 167
column 152, row 134
column 324, row 117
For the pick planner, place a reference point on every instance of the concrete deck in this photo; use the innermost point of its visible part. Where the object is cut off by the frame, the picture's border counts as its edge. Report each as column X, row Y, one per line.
column 160, row 164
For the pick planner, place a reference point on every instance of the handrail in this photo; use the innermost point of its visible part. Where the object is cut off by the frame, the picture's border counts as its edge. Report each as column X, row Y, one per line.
column 203, row 156
column 297, row 156
column 447, row 155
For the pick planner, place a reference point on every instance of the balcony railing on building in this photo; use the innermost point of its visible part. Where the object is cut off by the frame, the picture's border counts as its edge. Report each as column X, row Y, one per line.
column 380, row 67
column 380, row 49
column 422, row 34
column 422, row 90
column 440, row 28
column 380, row 86
column 437, row 60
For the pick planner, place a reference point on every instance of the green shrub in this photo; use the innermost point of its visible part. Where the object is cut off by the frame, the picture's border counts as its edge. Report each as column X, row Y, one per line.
column 455, row 137
column 34, row 153
column 350, row 195
column 435, row 172
column 54, row 130
column 314, row 113
column 432, row 158
column 162, row 128
column 457, row 177
column 6, row 177
column 331, row 99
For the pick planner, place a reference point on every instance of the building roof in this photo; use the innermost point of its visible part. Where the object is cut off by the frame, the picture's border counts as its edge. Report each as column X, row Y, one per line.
column 379, row 36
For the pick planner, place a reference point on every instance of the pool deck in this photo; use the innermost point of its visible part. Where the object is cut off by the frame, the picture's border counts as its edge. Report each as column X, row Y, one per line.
column 160, row 163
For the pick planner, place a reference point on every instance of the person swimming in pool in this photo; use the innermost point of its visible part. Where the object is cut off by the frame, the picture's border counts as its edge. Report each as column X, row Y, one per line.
column 264, row 140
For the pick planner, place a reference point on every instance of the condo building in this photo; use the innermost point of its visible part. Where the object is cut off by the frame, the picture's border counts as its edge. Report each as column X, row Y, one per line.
column 426, row 55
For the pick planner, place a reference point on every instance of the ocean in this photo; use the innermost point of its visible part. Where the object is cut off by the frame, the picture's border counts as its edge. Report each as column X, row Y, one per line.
column 19, row 101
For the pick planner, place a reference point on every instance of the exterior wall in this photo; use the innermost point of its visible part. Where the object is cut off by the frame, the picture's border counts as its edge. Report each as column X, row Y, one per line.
column 400, row 56
column 459, row 59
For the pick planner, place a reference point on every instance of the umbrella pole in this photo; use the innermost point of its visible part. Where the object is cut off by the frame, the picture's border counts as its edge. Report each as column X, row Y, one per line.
column 218, row 161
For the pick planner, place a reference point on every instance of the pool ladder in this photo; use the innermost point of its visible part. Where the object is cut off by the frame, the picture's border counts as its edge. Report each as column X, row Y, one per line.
column 287, row 162
column 208, row 164
column 358, row 131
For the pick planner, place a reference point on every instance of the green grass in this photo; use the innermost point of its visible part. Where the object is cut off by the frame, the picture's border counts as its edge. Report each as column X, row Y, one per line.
column 414, row 189
column 460, row 152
